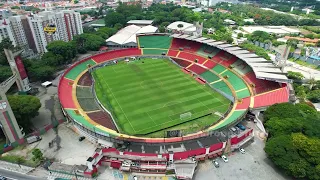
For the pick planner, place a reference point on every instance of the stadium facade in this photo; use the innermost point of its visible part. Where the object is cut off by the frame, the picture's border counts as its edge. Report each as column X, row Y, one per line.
column 250, row 82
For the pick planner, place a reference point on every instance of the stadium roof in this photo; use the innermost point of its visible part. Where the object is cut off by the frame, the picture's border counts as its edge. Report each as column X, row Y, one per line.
column 262, row 68
column 142, row 22
column 188, row 27
column 128, row 34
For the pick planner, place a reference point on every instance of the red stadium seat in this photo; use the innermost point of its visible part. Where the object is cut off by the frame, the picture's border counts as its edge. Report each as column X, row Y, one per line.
column 116, row 54
column 190, row 46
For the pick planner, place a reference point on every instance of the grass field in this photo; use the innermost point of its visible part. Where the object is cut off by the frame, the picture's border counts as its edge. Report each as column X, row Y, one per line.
column 149, row 95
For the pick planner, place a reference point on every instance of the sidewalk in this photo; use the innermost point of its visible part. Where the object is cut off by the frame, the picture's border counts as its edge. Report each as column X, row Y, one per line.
column 65, row 176
column 15, row 167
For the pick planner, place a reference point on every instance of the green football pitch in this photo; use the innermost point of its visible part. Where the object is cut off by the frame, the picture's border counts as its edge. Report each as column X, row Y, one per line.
column 149, row 95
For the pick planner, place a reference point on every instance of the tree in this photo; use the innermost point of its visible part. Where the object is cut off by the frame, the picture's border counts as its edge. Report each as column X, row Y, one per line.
column 118, row 26
column 314, row 96
column 15, row 7
column 88, row 42
column 20, row 160
column 295, row 75
column 277, row 126
column 260, row 36
column 113, row 18
column 294, row 139
column 288, row 110
column 51, row 59
column 25, row 108
column 6, row 43
column 240, row 35
column 162, row 29
column 5, row 73
column 65, row 49
column 293, row 43
column 37, row 155
column 256, row 49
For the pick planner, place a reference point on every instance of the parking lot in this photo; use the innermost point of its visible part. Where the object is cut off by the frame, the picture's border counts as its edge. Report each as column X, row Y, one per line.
column 252, row 165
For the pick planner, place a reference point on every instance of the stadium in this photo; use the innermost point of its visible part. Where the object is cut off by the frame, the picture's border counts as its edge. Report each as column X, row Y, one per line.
column 167, row 103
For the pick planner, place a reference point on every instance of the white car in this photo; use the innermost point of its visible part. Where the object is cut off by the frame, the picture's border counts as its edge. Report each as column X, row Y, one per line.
column 224, row 158
column 242, row 151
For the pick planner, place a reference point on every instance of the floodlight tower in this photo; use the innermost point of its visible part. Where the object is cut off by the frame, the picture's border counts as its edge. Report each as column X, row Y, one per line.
column 8, row 122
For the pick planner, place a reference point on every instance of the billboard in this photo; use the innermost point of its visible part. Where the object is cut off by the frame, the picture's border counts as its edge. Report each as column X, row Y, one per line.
column 20, row 67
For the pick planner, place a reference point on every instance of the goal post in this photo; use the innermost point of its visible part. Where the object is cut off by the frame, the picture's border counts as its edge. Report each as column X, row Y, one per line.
column 185, row 116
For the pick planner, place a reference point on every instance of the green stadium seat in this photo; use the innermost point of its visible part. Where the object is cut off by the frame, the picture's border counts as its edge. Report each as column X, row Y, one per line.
column 154, row 41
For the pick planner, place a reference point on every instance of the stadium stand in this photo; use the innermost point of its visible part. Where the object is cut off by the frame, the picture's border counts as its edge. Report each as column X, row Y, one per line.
column 103, row 119
column 116, row 54
column 192, row 57
column 210, row 64
column 154, row 51
column 206, row 50
column 78, row 69
column 172, row 53
column 244, row 104
column 235, row 115
column 224, row 58
column 86, row 99
column 243, row 93
column 260, row 86
column 196, row 69
column 85, row 80
column 159, row 42
column 187, row 45
column 234, row 80
column 65, row 93
column 241, row 67
column 219, row 69
column 269, row 98
column 182, row 62
column 222, row 86
column 209, row 76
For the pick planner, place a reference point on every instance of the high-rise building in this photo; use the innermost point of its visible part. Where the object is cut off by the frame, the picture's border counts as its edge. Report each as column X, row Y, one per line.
column 6, row 31
column 28, row 31
column 67, row 22
column 39, row 37
column 18, row 31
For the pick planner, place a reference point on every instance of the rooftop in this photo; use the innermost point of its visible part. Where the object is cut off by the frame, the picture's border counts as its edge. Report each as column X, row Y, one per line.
column 145, row 22
column 128, row 34
column 270, row 29
column 181, row 26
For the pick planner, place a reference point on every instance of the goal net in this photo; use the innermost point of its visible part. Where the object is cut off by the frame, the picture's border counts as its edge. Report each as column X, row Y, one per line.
column 185, row 116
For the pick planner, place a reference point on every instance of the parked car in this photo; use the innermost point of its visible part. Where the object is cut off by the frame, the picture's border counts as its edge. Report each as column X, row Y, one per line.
column 224, row 158
column 233, row 129
column 33, row 139
column 135, row 178
column 215, row 163
column 81, row 138
column 242, row 151
column 242, row 127
column 3, row 178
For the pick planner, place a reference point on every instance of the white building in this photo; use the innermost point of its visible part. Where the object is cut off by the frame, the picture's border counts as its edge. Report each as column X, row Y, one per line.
column 209, row 3
column 6, row 32
column 39, row 37
column 126, row 37
column 68, row 24
column 28, row 31
column 18, row 31
column 278, row 30
column 181, row 27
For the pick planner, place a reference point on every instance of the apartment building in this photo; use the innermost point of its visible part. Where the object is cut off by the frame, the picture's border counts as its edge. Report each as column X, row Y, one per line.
column 6, row 31
column 27, row 31
column 18, row 31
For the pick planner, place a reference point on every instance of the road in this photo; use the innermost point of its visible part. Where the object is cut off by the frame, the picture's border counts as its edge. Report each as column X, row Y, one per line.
column 17, row 176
